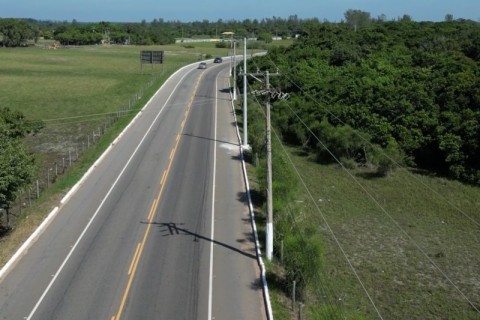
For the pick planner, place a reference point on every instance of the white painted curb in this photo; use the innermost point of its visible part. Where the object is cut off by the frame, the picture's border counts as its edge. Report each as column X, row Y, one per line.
column 266, row 294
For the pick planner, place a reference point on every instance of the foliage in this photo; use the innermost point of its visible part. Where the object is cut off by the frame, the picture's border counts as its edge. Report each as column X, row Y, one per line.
column 402, row 88
column 156, row 32
column 16, row 33
column 357, row 19
column 17, row 167
column 266, row 37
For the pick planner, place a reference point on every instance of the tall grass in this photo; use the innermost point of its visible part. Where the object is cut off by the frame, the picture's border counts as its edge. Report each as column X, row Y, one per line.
column 403, row 246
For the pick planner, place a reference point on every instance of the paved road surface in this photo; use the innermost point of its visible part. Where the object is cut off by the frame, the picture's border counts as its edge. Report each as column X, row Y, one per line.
column 160, row 228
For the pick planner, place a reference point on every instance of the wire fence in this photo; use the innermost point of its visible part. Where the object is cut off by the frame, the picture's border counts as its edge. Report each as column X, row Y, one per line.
column 71, row 154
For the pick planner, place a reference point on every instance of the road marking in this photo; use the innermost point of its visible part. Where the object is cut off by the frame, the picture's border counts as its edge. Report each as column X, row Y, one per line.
column 45, row 292
column 212, row 232
column 151, row 216
column 154, row 207
column 171, row 153
column 163, row 177
column 134, row 259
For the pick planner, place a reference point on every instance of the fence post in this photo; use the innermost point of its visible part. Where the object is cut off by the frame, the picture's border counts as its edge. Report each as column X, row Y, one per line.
column 293, row 294
column 300, row 311
column 38, row 189
column 281, row 251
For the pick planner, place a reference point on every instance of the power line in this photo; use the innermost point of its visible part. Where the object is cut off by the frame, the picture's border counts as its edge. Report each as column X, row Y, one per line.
column 384, row 154
column 327, row 224
column 384, row 210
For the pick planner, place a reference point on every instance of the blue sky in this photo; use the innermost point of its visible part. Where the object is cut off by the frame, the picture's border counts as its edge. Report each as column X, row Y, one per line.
column 212, row 10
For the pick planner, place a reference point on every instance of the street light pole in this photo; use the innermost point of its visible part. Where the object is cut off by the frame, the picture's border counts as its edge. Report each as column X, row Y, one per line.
column 245, row 134
column 234, row 71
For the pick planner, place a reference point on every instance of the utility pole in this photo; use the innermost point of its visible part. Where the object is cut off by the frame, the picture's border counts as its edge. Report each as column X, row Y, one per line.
column 245, row 119
column 269, row 176
column 269, row 93
column 234, row 71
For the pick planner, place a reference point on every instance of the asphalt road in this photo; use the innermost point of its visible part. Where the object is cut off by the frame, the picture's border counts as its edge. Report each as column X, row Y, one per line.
column 159, row 229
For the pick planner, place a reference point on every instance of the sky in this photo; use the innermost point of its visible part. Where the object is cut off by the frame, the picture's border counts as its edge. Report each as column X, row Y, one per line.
column 213, row 10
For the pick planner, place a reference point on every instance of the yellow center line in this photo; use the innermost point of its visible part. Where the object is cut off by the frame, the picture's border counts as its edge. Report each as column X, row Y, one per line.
column 156, row 201
column 152, row 211
column 164, row 176
column 134, row 259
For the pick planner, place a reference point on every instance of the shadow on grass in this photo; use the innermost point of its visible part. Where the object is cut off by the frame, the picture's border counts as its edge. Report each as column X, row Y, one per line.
column 258, row 198
column 4, row 231
column 370, row 175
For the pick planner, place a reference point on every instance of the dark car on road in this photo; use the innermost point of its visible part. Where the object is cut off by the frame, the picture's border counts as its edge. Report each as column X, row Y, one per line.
column 218, row 60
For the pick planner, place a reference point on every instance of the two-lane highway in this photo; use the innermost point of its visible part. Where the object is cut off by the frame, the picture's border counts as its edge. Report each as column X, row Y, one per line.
column 159, row 229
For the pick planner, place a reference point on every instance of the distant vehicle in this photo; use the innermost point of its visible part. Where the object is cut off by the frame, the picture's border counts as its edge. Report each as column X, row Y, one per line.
column 202, row 65
column 218, row 60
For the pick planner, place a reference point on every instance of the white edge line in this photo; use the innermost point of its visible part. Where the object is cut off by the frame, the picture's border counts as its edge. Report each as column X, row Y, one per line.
column 266, row 293
column 22, row 250
column 212, row 233
column 32, row 313
column 114, row 142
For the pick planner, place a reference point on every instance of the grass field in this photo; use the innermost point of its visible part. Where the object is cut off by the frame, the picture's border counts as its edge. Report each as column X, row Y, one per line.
column 405, row 246
column 413, row 242
column 74, row 91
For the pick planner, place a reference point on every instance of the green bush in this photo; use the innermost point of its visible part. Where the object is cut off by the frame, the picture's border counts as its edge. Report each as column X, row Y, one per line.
column 222, row 44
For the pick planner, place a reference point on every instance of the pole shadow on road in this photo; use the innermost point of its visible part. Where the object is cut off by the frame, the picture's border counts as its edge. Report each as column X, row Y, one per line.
column 210, row 139
column 173, row 229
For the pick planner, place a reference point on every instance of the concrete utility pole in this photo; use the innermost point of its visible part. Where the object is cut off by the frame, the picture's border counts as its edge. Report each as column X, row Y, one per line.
column 269, row 177
column 269, row 229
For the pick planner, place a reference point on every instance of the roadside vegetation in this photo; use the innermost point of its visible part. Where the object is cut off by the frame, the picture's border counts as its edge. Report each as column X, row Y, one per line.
column 59, row 110
column 376, row 153
column 375, row 184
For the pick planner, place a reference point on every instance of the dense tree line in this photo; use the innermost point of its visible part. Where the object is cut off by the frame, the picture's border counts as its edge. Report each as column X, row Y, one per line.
column 16, row 32
column 407, row 89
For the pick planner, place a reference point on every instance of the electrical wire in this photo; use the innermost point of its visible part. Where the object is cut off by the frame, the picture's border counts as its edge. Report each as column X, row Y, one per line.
column 339, row 245
column 438, row 194
column 380, row 206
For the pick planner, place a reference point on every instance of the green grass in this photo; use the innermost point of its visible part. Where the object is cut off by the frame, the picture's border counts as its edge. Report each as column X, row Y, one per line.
column 408, row 237
column 392, row 243
column 74, row 91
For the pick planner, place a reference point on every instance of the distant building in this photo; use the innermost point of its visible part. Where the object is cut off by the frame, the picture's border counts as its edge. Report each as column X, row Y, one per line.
column 190, row 40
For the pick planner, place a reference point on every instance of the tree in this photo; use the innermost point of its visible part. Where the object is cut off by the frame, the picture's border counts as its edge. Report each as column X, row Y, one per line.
column 17, row 166
column 449, row 17
column 267, row 37
column 357, row 19
column 16, row 33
